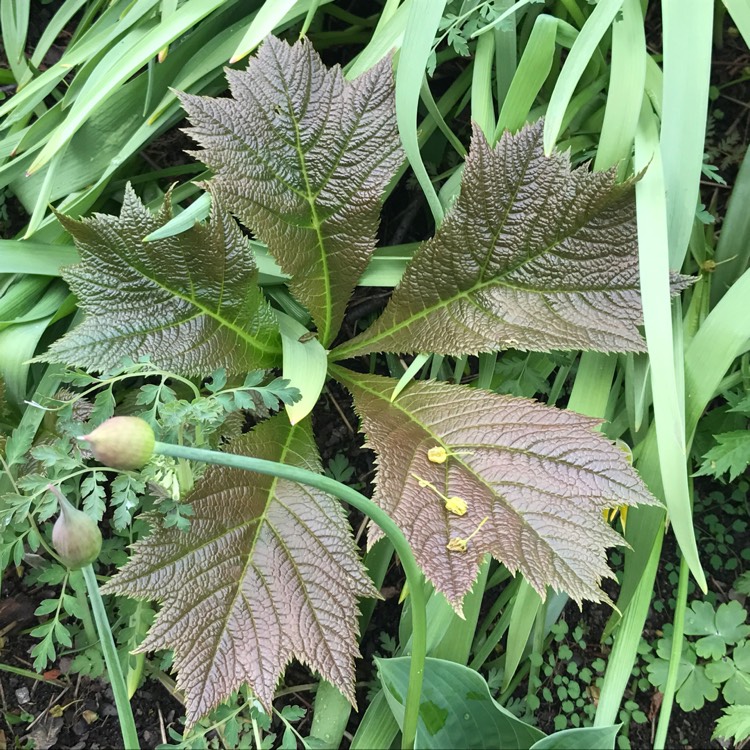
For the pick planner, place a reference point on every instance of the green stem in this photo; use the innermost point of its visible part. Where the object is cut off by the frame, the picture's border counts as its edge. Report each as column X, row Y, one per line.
column 537, row 647
column 83, row 604
column 674, row 657
column 116, row 679
column 379, row 517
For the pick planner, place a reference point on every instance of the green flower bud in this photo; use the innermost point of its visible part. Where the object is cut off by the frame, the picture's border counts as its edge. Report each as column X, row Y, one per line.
column 75, row 536
column 122, row 442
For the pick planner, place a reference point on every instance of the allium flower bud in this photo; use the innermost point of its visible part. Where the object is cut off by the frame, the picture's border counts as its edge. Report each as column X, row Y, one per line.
column 75, row 536
column 122, row 442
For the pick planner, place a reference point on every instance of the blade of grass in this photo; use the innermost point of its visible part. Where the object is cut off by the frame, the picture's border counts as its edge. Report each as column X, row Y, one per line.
column 410, row 374
column 304, row 366
column 637, row 389
column 19, row 342
column 17, row 302
column 525, row 607
column 533, row 69
column 626, row 82
column 687, row 70
column 668, row 398
column 740, row 12
column 456, row 638
column 722, row 337
column 102, row 35
column 132, row 60
column 311, row 11
column 675, row 656
column 505, row 53
column 196, row 211
column 36, row 134
column 421, row 27
column 14, row 23
column 482, row 105
column 22, row 256
column 629, row 635
column 580, row 55
column 432, row 107
column 267, row 18
column 378, row 727
column 388, row 37
column 733, row 249
column 168, row 7
column 720, row 340
column 52, row 30
column 42, row 201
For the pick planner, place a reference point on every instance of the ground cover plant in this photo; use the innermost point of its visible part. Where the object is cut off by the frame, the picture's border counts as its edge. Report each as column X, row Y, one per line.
column 551, row 206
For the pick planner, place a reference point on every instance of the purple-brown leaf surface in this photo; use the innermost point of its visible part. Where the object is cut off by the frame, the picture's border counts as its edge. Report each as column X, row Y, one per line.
column 533, row 255
column 268, row 572
column 540, row 476
column 191, row 302
column 302, row 157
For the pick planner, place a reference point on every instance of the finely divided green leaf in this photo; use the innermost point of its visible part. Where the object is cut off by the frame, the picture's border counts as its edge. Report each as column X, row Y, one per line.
column 730, row 454
column 533, row 256
column 268, row 572
column 191, row 302
column 302, row 158
column 734, row 724
column 539, row 476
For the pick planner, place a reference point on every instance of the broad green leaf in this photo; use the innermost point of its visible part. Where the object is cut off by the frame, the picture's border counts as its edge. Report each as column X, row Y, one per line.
column 456, row 708
column 582, row 738
column 535, row 480
column 269, row 572
column 302, row 158
column 191, row 302
column 734, row 673
column 719, row 628
column 693, row 685
column 696, row 690
column 533, row 256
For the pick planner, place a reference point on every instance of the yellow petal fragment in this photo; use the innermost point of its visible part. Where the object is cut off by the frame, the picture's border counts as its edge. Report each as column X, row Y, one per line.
column 456, row 505
column 457, row 545
column 437, row 454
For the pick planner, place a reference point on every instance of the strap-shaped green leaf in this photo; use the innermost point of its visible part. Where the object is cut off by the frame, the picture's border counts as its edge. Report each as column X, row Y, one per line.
column 269, row 572
column 533, row 481
column 533, row 256
column 191, row 302
column 302, row 157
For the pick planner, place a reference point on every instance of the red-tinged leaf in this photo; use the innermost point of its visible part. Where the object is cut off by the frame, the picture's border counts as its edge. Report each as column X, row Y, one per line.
column 268, row 572
column 191, row 302
column 532, row 256
column 540, row 477
column 302, row 157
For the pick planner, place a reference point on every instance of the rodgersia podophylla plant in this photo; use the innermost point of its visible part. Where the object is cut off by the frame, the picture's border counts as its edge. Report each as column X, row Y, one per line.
column 533, row 255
